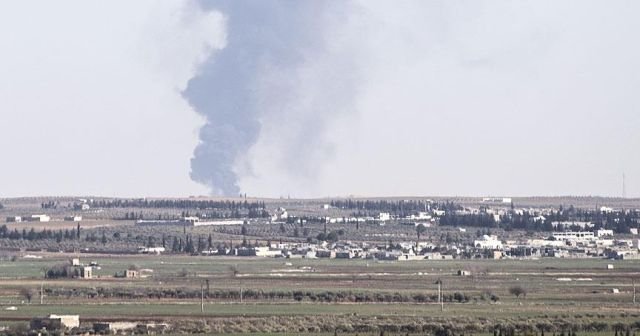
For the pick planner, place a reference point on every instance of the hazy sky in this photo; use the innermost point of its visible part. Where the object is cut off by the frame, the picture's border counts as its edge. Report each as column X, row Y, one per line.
column 369, row 98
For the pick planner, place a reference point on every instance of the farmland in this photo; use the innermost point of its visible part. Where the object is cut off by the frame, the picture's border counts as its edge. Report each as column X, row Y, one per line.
column 584, row 300
column 194, row 290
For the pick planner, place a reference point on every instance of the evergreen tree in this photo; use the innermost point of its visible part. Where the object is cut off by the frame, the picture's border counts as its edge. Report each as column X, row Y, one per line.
column 175, row 247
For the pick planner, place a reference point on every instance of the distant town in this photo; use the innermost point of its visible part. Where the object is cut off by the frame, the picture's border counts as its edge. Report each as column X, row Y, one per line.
column 87, row 265
column 393, row 230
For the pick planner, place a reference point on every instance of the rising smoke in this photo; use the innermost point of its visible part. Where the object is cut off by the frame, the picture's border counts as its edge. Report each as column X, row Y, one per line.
column 256, row 77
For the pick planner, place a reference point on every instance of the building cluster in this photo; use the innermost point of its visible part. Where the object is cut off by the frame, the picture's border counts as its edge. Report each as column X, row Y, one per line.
column 40, row 218
column 570, row 238
column 579, row 244
column 31, row 218
column 57, row 323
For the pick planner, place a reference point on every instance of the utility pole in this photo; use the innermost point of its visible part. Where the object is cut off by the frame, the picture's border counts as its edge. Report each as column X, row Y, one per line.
column 201, row 298
column 440, row 299
column 42, row 293
column 634, row 291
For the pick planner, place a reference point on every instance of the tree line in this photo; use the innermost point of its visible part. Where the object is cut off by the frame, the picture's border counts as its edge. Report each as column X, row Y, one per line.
column 252, row 294
column 59, row 235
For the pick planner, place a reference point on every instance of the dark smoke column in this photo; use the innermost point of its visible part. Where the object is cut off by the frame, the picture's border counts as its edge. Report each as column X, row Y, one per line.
column 262, row 36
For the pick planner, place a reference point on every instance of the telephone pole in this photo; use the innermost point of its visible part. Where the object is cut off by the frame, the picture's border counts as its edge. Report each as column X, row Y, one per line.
column 201, row 298
column 440, row 298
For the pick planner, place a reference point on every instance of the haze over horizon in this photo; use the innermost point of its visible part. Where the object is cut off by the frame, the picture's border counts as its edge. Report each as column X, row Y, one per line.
column 313, row 99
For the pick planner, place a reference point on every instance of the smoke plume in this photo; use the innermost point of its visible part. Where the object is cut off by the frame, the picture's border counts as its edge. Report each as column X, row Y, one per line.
column 255, row 78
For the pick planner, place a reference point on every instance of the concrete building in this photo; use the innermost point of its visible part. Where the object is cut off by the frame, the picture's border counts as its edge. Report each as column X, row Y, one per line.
column 14, row 219
column 384, row 216
column 578, row 235
column 87, row 272
column 488, row 242
column 39, row 218
column 55, row 322
column 602, row 233
column 219, row 222
column 113, row 327
column 73, row 218
column 496, row 200
column 280, row 215
column 325, row 254
column 131, row 274
column 151, row 250
column 568, row 224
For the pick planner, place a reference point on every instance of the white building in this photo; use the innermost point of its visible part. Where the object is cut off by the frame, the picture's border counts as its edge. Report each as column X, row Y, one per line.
column 439, row 213
column 605, row 209
column 151, row 250
column 420, row 216
column 488, row 242
column 191, row 220
column 579, row 235
column 219, row 222
column 602, row 233
column 504, row 200
column 73, row 218
column 39, row 218
column 384, row 216
column 582, row 225
column 67, row 321
column 280, row 215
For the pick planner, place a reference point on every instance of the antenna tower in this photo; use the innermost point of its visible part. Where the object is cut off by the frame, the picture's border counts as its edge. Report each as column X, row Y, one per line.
column 624, row 186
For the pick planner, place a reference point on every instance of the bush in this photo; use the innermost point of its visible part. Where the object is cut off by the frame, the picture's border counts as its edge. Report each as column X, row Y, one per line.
column 517, row 291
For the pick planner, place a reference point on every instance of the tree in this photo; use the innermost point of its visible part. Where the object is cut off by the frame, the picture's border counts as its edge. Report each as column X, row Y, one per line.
column 26, row 293
column 200, row 244
column 78, row 232
column 420, row 229
column 104, row 239
column 517, row 291
column 175, row 247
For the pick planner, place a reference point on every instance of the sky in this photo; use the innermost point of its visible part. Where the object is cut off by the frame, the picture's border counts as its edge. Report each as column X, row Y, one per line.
column 324, row 98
